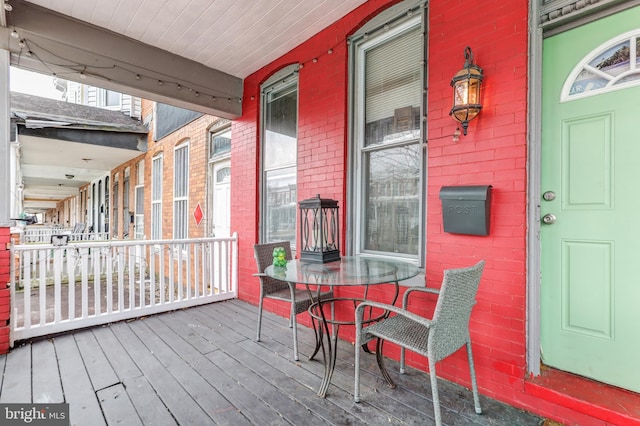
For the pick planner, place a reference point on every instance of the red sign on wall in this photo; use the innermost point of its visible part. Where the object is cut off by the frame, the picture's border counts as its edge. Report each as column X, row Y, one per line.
column 197, row 214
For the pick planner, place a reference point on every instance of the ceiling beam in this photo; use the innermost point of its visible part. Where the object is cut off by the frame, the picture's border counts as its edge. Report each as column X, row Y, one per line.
column 52, row 43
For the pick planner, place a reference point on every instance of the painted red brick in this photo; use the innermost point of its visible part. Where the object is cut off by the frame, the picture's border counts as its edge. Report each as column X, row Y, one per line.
column 494, row 152
column 5, row 301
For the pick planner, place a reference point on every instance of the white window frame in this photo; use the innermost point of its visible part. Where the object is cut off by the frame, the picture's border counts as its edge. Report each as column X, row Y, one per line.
column 138, row 202
column 126, row 205
column 214, row 160
column 102, row 99
column 181, row 202
column 115, row 203
column 282, row 79
column 359, row 45
column 157, row 165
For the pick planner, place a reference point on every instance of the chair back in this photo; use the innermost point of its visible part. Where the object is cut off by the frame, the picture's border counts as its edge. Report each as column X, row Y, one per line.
column 264, row 258
column 457, row 297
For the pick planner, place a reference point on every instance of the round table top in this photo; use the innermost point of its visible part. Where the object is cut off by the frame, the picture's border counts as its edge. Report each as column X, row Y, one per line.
column 349, row 270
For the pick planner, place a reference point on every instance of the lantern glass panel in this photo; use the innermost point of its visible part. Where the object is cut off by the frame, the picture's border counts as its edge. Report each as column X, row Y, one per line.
column 461, row 93
column 473, row 91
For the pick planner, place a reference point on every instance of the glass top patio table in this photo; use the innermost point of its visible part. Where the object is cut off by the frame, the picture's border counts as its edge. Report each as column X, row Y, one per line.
column 348, row 271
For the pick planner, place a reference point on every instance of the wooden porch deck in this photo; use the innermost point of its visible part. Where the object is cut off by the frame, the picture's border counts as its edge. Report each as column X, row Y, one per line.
column 201, row 366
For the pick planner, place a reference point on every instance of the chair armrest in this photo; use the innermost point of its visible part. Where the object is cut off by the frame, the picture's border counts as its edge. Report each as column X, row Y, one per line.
column 390, row 308
column 405, row 298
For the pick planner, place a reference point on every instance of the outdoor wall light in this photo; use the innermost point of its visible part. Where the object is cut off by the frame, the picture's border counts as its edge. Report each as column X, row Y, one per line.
column 466, row 91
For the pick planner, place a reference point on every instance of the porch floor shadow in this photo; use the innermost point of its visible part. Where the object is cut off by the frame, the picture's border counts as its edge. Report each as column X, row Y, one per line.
column 202, row 366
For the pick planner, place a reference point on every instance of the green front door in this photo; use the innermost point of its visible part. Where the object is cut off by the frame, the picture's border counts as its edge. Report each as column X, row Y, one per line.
column 590, row 178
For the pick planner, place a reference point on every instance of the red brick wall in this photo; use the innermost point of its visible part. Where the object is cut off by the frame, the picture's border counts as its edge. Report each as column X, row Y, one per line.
column 5, row 302
column 493, row 153
column 322, row 136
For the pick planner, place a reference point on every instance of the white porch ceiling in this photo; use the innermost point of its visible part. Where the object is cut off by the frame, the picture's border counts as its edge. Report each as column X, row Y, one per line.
column 204, row 47
column 56, row 169
column 234, row 36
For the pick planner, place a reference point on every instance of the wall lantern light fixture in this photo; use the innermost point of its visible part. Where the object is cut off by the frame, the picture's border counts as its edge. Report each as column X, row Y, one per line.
column 466, row 91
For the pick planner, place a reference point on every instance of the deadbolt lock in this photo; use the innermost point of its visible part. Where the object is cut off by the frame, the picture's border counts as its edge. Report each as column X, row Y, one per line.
column 549, row 196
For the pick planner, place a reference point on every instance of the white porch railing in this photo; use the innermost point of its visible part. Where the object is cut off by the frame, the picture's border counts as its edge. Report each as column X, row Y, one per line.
column 60, row 288
column 42, row 234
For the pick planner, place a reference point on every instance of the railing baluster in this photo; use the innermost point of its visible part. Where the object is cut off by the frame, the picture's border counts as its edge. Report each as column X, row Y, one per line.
column 140, row 256
column 42, row 282
column 187, row 266
column 132, row 269
column 109, row 278
column 171, row 256
column 162, row 277
column 120, row 266
column 84, row 260
column 71, row 288
column 152, row 275
column 25, row 264
column 98, row 259
column 195, row 270
column 177, row 261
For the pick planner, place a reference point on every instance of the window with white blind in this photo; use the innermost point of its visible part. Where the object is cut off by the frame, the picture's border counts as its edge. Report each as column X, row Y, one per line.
column 138, row 225
column 181, row 191
column 388, row 160
column 126, row 217
column 280, row 153
column 116, row 204
column 156, row 197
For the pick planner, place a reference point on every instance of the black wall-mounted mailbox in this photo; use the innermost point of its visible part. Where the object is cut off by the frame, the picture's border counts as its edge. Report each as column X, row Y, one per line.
column 466, row 209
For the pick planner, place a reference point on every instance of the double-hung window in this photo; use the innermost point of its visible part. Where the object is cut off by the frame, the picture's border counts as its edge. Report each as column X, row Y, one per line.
column 387, row 158
column 116, row 204
column 156, row 197
column 181, row 191
column 279, row 156
column 125, row 202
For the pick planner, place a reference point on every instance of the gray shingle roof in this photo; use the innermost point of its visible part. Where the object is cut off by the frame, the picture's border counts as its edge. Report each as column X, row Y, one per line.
column 37, row 112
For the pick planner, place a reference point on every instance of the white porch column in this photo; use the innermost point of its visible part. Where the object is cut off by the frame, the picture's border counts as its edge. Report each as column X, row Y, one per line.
column 5, row 150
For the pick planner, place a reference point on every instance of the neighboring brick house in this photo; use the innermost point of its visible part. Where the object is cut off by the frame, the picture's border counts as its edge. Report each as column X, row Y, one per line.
column 191, row 135
column 134, row 210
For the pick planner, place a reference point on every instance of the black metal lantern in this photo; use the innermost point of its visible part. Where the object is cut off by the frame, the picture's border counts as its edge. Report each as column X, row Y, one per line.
column 319, row 230
column 466, row 91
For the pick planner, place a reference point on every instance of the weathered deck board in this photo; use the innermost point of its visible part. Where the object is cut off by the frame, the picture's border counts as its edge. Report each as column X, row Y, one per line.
column 47, row 387
column 98, row 367
column 117, row 407
column 202, row 366
column 78, row 392
column 16, row 386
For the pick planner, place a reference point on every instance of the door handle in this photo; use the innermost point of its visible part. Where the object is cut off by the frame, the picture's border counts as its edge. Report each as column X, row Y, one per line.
column 549, row 219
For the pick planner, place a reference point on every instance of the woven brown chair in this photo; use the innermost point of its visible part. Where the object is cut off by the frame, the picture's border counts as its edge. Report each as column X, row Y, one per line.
column 271, row 288
column 436, row 338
